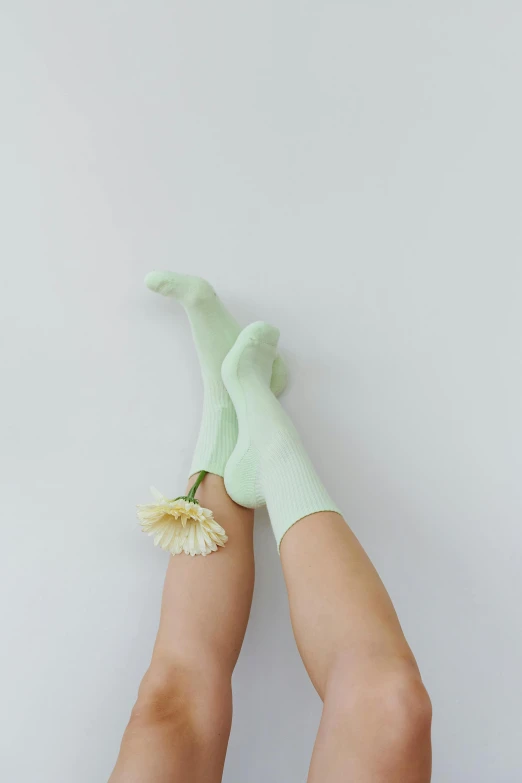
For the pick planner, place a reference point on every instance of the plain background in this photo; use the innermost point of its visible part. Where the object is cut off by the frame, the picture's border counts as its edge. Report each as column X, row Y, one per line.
column 349, row 171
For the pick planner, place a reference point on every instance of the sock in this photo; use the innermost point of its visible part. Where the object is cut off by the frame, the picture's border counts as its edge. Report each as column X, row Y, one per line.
column 215, row 332
column 269, row 462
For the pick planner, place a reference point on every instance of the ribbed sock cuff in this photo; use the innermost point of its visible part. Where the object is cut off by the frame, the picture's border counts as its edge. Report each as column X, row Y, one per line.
column 217, row 434
column 292, row 488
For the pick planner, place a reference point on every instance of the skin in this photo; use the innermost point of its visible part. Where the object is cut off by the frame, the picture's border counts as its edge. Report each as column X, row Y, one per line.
column 180, row 724
column 375, row 725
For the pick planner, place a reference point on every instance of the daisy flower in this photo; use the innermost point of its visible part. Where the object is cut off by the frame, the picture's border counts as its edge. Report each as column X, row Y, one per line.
column 181, row 524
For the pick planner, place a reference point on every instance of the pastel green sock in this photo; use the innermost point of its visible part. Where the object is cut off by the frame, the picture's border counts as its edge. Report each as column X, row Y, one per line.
column 269, row 462
column 215, row 332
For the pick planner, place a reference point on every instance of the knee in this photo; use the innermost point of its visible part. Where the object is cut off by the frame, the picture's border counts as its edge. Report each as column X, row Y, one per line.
column 192, row 700
column 405, row 709
column 386, row 699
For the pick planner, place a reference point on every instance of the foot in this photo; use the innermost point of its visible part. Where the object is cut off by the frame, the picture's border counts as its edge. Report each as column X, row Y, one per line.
column 187, row 289
column 269, row 462
column 246, row 374
column 215, row 330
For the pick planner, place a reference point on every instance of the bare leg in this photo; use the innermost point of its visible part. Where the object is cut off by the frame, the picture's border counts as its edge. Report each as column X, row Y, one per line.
column 180, row 724
column 375, row 726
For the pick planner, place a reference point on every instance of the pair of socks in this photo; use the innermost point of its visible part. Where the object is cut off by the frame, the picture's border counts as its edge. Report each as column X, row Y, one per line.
column 245, row 435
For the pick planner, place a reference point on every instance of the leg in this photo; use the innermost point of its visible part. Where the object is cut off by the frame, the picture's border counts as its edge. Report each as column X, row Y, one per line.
column 375, row 726
column 214, row 331
column 179, row 727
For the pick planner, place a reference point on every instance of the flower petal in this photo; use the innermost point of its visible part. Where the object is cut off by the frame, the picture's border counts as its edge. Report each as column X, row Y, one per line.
column 156, row 494
column 181, row 526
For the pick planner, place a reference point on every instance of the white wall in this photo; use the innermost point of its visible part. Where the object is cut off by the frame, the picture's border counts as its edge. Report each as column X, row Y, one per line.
column 348, row 171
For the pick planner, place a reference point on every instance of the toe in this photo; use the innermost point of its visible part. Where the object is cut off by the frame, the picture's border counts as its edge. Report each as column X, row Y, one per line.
column 262, row 332
column 161, row 282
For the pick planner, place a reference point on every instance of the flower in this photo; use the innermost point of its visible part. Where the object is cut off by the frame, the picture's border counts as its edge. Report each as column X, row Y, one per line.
column 181, row 525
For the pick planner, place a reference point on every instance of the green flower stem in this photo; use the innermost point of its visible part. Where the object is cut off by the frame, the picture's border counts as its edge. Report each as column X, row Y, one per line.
column 196, row 484
column 190, row 497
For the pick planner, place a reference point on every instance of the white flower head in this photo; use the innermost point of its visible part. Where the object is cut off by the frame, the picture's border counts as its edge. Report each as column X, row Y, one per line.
column 181, row 525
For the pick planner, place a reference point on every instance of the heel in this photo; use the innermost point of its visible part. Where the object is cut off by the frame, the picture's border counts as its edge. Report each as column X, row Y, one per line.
column 241, row 479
